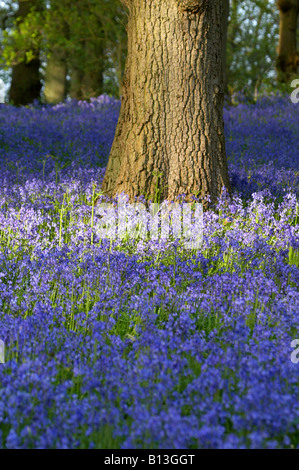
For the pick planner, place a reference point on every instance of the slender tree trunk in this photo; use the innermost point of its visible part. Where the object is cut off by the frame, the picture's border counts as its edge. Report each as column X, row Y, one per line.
column 55, row 79
column 171, row 118
column 288, row 57
column 25, row 81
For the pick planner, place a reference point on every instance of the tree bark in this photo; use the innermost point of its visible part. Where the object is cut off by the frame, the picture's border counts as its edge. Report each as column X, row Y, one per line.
column 170, row 132
column 288, row 57
column 55, row 79
column 25, row 81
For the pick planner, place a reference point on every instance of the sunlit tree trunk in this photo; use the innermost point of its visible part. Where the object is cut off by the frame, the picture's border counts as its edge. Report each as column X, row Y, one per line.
column 288, row 57
column 25, row 80
column 55, row 78
column 170, row 131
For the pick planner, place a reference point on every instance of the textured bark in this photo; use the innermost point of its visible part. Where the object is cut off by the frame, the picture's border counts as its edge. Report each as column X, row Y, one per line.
column 171, row 118
column 55, row 79
column 288, row 57
column 25, row 81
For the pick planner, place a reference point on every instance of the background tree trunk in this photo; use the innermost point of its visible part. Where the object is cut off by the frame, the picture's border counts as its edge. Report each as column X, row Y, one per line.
column 224, row 45
column 87, row 71
column 93, row 79
column 25, row 81
column 77, row 75
column 288, row 57
column 55, row 79
column 171, row 118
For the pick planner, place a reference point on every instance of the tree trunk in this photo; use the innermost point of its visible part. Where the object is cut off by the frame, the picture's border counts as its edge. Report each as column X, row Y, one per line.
column 288, row 57
column 77, row 75
column 93, row 79
column 224, row 45
column 87, row 70
column 55, row 79
column 170, row 132
column 25, row 81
